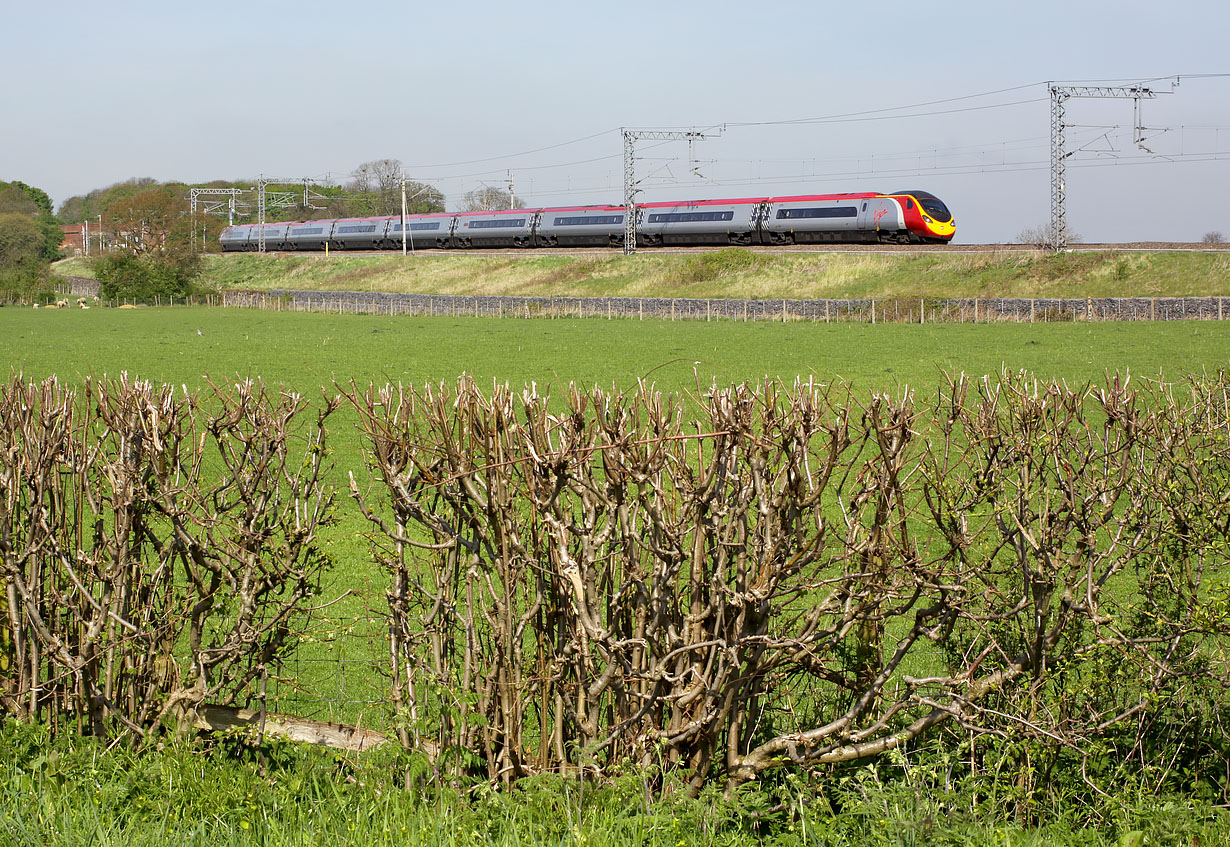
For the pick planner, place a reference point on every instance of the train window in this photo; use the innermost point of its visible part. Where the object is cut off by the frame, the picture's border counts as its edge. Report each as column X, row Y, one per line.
column 365, row 228
column 864, row 207
column 825, row 212
column 690, row 217
column 909, row 203
column 591, row 220
column 316, row 230
column 493, row 224
column 432, row 225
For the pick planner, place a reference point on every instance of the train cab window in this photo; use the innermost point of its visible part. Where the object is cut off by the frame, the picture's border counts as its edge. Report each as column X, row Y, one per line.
column 909, row 203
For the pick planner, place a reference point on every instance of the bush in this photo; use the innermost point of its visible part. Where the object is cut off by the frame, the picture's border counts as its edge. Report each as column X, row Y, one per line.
column 26, row 283
column 142, row 277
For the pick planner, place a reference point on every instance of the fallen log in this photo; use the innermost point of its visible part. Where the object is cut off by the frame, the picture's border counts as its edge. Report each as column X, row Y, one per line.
column 334, row 735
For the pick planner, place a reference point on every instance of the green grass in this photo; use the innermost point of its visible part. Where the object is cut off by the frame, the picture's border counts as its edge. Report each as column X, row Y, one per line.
column 732, row 273
column 307, row 351
column 73, row 792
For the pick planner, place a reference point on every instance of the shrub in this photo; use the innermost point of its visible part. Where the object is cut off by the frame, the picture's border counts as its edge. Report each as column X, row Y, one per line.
column 142, row 277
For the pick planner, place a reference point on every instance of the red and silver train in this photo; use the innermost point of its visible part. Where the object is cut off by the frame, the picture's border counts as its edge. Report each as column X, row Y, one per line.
column 901, row 217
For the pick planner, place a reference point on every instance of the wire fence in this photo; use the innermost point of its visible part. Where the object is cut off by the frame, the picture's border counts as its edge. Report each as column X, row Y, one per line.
column 837, row 310
column 896, row 310
column 339, row 674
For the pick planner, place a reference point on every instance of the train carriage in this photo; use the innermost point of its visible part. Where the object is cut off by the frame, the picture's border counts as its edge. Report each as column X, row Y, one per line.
column 234, row 239
column 275, row 236
column 422, row 231
column 309, row 235
column 580, row 226
column 506, row 228
column 816, row 218
column 359, row 233
column 699, row 222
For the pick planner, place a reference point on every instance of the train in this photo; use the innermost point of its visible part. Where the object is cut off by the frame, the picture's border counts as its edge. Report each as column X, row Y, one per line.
column 902, row 217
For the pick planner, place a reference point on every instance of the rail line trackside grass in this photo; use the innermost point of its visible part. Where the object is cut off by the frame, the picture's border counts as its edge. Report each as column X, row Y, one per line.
column 732, row 273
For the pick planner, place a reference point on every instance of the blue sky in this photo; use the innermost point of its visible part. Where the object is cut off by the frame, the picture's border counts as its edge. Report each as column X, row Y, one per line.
column 189, row 92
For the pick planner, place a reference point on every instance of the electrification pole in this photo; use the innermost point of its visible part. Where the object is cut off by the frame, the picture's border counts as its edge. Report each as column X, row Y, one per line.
column 1060, row 94
column 209, row 206
column 266, row 199
column 631, row 136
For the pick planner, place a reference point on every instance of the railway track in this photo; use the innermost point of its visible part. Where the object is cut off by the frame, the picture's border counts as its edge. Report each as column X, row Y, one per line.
column 837, row 249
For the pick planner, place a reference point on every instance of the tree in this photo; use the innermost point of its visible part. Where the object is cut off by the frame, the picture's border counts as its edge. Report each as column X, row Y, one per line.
column 21, row 241
column 156, row 219
column 23, row 264
column 15, row 201
column 1213, row 237
column 87, row 207
column 486, row 199
column 1042, row 237
column 377, row 185
column 37, row 195
column 30, row 202
column 129, row 276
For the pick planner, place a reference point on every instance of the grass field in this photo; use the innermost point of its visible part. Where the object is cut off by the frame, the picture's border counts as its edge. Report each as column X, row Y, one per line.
column 307, row 351
column 732, row 273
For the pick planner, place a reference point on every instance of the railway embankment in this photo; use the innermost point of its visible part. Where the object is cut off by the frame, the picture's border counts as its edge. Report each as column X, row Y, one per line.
column 736, row 273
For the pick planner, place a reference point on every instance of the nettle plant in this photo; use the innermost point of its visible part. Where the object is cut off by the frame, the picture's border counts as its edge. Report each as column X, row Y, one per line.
column 773, row 576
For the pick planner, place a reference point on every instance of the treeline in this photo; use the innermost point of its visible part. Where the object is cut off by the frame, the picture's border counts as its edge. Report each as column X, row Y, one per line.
column 1029, row 577
column 29, row 239
column 373, row 188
